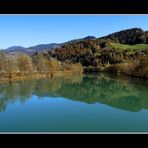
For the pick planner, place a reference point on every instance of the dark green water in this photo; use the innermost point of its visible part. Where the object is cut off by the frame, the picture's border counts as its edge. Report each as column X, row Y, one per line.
column 89, row 103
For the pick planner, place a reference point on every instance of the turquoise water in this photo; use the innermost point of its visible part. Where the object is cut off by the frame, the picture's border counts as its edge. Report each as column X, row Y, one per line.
column 89, row 103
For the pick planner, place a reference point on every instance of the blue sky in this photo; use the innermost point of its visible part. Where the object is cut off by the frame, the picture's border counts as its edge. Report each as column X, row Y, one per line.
column 30, row 30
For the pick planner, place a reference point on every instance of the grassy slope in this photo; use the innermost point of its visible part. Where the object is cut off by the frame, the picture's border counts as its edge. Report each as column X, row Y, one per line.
column 130, row 49
column 133, row 47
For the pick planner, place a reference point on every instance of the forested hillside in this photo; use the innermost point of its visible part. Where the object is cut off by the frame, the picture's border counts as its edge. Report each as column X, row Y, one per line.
column 125, row 47
column 121, row 52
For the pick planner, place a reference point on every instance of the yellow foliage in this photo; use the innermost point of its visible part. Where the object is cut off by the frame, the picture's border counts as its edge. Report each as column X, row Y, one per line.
column 54, row 65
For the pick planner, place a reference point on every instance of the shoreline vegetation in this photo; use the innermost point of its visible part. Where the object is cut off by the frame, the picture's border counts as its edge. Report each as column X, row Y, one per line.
column 123, row 52
column 22, row 67
column 137, row 69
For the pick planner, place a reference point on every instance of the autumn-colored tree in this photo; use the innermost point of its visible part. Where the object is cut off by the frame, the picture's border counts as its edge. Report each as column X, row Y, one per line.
column 10, row 66
column 1, row 61
column 54, row 64
column 25, row 63
column 40, row 62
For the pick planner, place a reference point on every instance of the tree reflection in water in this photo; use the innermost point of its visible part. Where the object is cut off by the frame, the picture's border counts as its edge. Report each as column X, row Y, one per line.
column 116, row 91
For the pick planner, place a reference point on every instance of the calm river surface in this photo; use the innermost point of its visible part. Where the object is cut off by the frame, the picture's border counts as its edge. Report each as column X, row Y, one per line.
column 89, row 103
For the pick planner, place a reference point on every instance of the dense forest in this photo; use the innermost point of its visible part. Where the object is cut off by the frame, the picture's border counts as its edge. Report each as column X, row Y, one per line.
column 128, row 48
column 129, row 36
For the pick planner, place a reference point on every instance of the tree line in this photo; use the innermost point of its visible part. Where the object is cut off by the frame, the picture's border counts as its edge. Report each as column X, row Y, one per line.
column 28, row 65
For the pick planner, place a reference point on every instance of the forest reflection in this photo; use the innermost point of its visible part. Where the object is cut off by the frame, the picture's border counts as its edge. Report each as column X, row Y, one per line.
column 115, row 91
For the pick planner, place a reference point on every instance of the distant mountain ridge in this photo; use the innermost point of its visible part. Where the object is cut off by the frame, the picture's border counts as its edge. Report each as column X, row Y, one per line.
column 41, row 47
column 44, row 47
column 15, row 47
column 32, row 49
column 128, row 36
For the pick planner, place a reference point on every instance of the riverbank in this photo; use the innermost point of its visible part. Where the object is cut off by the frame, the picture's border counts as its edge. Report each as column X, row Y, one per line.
column 76, row 70
column 73, row 70
column 135, row 70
